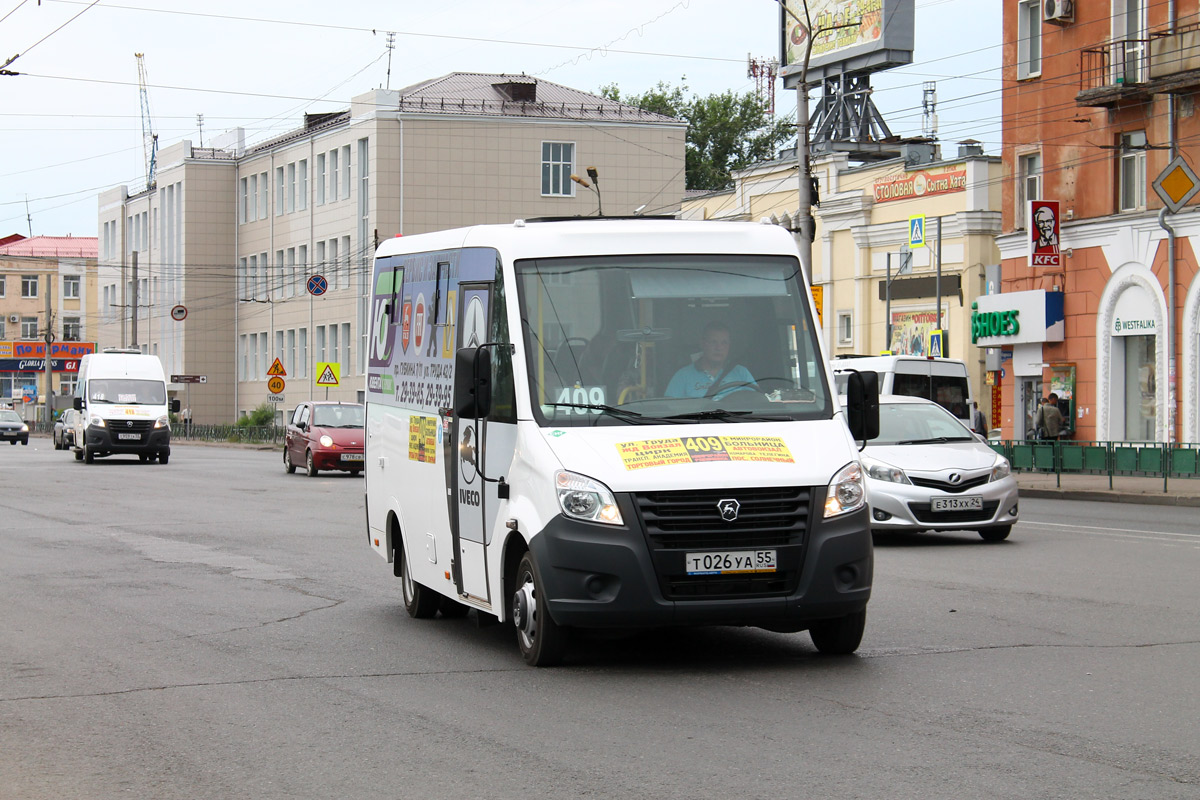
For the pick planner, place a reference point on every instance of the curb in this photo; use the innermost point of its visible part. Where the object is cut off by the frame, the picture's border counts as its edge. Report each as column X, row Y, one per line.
column 1112, row 497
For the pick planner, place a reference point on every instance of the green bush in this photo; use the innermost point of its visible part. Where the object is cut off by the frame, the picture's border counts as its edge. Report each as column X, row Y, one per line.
column 263, row 415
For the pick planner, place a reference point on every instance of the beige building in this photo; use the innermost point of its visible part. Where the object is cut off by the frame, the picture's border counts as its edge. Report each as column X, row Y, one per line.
column 39, row 273
column 863, row 216
column 234, row 233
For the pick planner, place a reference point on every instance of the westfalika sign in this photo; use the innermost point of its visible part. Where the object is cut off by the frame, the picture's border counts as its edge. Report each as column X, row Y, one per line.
column 920, row 184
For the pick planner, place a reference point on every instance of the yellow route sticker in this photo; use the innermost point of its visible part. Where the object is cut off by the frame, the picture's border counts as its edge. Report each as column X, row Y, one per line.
column 422, row 439
column 695, row 449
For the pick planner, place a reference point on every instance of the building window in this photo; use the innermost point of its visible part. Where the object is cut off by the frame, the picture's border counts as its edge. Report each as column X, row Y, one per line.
column 333, row 343
column 289, row 274
column 302, row 185
column 291, row 187
column 320, row 179
column 72, row 329
column 281, row 276
column 346, row 262
column 558, row 162
column 333, row 176
column 344, row 192
column 264, row 199
column 1131, row 171
column 278, row 350
column 70, row 287
column 1029, row 39
column 302, row 357
column 243, row 200
column 289, row 355
column 301, row 270
column 345, row 357
column 264, row 277
column 3, row 334
column 279, row 192
column 29, row 328
column 319, row 344
column 2, row 285
column 252, row 280
column 845, row 327
column 1029, row 185
column 29, row 286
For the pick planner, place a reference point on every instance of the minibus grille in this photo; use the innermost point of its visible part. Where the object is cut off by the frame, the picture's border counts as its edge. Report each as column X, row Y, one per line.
column 766, row 517
column 130, row 425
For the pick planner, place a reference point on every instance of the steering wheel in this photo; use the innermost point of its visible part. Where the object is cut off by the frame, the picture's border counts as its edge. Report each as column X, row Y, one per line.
column 730, row 388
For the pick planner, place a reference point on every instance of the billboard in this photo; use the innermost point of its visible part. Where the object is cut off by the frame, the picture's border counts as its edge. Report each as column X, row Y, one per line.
column 1043, row 234
column 846, row 36
column 911, row 330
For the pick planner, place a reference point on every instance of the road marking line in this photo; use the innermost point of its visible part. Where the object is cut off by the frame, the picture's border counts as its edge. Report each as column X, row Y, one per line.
column 1094, row 529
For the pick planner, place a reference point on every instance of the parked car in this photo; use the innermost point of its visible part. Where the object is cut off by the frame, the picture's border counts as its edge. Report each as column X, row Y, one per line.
column 64, row 430
column 928, row 472
column 325, row 434
column 12, row 428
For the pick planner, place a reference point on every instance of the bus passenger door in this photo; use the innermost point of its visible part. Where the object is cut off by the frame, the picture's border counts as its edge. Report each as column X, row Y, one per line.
column 481, row 450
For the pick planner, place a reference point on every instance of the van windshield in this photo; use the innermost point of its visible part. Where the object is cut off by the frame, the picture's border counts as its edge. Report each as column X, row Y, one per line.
column 619, row 340
column 127, row 391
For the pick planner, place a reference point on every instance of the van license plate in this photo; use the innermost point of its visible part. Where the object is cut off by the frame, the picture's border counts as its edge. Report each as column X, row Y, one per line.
column 969, row 503
column 137, row 436
column 726, row 562
column 351, row 456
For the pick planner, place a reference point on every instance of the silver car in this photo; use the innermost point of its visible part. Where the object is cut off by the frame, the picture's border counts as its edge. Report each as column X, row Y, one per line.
column 926, row 471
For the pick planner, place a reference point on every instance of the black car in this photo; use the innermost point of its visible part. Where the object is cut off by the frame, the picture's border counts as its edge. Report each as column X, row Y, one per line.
column 12, row 428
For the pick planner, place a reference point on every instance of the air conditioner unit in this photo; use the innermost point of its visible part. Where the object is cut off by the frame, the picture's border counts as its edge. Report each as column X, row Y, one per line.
column 1058, row 12
column 14, row 318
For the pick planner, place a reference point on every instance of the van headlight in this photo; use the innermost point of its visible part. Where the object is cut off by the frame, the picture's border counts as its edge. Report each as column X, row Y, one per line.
column 162, row 422
column 846, row 492
column 97, row 422
column 884, row 472
column 580, row 497
column 326, row 441
column 1002, row 469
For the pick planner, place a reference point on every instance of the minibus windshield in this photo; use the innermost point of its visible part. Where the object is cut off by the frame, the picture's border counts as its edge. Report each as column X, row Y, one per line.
column 670, row 339
column 127, row 391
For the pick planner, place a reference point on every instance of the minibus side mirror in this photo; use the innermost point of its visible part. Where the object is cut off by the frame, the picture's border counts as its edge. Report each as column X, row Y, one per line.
column 473, row 382
column 78, row 403
column 862, row 405
column 175, row 406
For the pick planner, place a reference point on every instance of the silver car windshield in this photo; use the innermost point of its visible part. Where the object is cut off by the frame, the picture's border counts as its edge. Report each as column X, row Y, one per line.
column 918, row 423
column 676, row 339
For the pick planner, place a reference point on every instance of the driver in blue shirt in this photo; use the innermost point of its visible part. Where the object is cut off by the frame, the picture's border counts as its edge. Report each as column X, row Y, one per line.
column 710, row 375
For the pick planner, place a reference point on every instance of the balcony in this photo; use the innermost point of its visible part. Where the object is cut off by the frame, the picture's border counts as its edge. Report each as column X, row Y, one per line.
column 1130, row 70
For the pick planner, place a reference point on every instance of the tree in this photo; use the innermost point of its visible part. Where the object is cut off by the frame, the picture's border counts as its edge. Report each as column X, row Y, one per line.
column 726, row 131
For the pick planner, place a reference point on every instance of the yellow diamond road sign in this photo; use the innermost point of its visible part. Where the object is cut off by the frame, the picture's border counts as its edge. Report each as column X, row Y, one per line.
column 1176, row 184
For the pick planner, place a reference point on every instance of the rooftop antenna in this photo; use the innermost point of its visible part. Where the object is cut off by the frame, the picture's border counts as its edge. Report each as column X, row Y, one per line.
column 391, row 45
column 929, row 110
column 764, row 71
column 200, row 123
column 28, row 217
column 149, row 138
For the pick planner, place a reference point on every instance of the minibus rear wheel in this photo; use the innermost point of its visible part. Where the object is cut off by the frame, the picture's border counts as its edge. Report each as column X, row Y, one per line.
column 839, row 637
column 540, row 638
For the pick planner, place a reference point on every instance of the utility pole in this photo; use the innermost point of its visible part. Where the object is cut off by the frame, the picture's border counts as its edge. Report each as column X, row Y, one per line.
column 133, row 329
column 28, row 216
column 49, row 337
column 938, row 282
column 200, row 124
column 805, row 224
column 391, row 45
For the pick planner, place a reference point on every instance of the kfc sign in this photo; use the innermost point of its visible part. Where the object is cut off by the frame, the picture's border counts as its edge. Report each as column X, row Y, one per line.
column 1043, row 234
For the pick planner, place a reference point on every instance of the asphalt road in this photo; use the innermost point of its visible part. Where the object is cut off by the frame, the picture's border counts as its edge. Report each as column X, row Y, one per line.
column 214, row 628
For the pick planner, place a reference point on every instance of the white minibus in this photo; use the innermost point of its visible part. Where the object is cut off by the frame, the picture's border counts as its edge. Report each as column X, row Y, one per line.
column 613, row 424
column 122, row 394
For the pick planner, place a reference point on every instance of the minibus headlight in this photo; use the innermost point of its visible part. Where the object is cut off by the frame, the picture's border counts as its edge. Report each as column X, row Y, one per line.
column 884, row 472
column 1002, row 469
column 326, row 441
column 97, row 422
column 846, row 491
column 580, row 497
column 162, row 422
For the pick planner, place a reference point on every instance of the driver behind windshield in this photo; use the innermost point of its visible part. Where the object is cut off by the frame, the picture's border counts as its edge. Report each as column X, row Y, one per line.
column 711, row 373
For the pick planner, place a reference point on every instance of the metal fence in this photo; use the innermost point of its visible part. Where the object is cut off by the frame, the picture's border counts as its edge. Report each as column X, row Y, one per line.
column 234, row 434
column 1142, row 459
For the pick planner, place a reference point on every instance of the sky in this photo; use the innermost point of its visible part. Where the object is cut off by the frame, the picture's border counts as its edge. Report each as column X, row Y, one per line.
column 71, row 122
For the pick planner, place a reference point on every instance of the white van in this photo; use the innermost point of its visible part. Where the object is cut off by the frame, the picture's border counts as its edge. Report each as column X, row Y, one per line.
column 613, row 424
column 122, row 395
column 942, row 380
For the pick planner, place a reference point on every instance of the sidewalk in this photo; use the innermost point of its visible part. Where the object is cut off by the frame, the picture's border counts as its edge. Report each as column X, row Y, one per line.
column 1125, row 489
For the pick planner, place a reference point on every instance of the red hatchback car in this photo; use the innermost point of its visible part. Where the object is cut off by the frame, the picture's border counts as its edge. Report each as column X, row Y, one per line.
column 325, row 434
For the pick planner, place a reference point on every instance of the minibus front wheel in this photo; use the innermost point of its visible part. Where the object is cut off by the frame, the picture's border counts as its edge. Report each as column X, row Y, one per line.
column 540, row 638
column 839, row 637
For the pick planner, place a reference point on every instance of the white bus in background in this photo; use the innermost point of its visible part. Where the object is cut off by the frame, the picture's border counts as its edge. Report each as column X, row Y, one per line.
column 945, row 381
column 533, row 454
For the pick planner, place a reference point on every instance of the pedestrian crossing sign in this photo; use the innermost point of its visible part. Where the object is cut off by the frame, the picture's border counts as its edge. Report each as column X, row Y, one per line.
column 916, row 230
column 329, row 373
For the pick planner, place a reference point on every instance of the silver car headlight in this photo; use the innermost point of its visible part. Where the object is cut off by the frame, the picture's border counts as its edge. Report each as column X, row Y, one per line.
column 24, row 429
column 580, row 497
column 846, row 492
column 884, row 472
column 1002, row 469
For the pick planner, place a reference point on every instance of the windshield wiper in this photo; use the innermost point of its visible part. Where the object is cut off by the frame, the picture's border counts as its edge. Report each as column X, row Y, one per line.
column 936, row 440
column 619, row 413
column 721, row 413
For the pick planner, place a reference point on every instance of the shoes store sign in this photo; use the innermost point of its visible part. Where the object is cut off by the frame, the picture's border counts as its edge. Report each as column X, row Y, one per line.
column 998, row 320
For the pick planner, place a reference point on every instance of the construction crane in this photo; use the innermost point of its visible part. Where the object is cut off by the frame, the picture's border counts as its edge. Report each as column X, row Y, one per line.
column 149, row 137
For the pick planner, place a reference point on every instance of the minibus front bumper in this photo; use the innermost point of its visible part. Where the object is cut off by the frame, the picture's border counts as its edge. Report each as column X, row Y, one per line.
column 116, row 439
column 602, row 576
